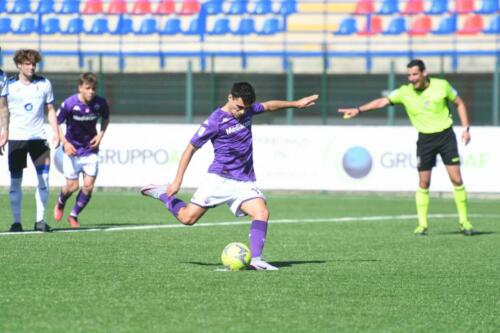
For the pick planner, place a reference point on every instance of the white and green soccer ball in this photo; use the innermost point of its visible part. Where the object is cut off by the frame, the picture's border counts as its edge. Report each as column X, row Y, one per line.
column 236, row 256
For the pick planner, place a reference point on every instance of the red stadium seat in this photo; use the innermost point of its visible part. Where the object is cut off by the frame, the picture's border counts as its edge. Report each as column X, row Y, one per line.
column 464, row 6
column 92, row 7
column 414, row 7
column 165, row 7
column 117, row 7
column 472, row 25
column 364, row 7
column 422, row 25
column 374, row 27
column 190, row 7
column 141, row 7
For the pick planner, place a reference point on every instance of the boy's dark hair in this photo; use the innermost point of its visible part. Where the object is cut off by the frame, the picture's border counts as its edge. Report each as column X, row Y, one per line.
column 88, row 78
column 23, row 55
column 416, row 62
column 245, row 91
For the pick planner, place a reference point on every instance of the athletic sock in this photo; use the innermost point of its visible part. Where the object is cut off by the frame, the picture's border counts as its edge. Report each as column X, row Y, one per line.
column 42, row 191
column 61, row 200
column 173, row 204
column 422, row 200
column 461, row 201
column 16, row 196
column 257, row 236
column 82, row 200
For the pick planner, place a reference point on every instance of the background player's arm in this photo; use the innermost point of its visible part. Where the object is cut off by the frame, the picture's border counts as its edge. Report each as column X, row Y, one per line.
column 96, row 140
column 373, row 105
column 52, row 118
column 464, row 118
column 183, row 164
column 298, row 104
column 4, row 123
column 69, row 149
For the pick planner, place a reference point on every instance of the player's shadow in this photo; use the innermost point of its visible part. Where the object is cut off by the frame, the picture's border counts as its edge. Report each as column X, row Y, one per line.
column 476, row 233
column 278, row 264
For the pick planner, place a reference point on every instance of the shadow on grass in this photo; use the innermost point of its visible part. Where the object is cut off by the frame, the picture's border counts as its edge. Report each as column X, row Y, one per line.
column 476, row 233
column 288, row 263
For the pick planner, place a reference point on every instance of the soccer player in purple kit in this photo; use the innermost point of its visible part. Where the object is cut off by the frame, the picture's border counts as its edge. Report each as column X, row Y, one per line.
column 231, row 177
column 81, row 141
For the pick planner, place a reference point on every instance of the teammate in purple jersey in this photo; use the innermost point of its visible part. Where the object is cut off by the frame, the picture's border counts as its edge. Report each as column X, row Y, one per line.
column 81, row 142
column 231, row 176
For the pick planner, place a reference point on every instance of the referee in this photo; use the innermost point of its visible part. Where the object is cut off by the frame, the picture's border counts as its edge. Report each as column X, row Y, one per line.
column 426, row 103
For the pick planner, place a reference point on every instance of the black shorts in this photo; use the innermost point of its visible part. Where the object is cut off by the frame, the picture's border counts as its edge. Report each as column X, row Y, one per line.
column 19, row 149
column 430, row 145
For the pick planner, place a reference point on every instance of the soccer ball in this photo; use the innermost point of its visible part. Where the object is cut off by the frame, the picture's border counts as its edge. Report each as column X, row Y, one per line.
column 236, row 256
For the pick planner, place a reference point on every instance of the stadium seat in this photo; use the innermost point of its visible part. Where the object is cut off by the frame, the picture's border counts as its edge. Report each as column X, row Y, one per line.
column 489, row 7
column 396, row 27
column 237, row 7
column 165, row 7
column 494, row 26
column 287, row 7
column 373, row 26
column 213, row 7
column 141, row 7
column 123, row 27
column 447, row 26
column 422, row 25
column 195, row 28
column 262, row 7
column 21, row 7
column 5, row 25
column 99, row 27
column 221, row 27
column 92, row 7
column 246, row 27
column 45, row 7
column 50, row 26
column 438, row 7
column 388, row 7
column 117, row 7
column 70, row 7
column 147, row 27
column 172, row 27
column 347, row 27
column 364, row 7
column 26, row 26
column 271, row 26
column 413, row 7
column 190, row 7
column 75, row 27
column 472, row 25
column 464, row 6
column 3, row 6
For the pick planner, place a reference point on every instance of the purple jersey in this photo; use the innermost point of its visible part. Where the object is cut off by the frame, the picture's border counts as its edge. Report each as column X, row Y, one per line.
column 81, row 120
column 232, row 142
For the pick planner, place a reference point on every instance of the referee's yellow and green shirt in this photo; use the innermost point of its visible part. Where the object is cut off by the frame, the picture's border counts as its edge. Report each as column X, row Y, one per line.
column 427, row 109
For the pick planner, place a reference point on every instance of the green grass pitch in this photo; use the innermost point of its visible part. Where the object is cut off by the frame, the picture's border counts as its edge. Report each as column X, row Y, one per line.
column 348, row 263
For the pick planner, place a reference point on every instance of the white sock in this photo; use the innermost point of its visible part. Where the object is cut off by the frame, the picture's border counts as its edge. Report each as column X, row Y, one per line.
column 42, row 195
column 16, row 198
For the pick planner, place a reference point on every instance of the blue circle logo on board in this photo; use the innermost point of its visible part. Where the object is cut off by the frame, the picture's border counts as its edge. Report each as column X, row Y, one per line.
column 357, row 162
column 28, row 107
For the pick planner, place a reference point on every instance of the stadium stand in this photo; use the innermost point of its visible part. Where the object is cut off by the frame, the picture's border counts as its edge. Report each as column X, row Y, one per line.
column 287, row 7
column 438, row 7
column 413, row 7
column 123, row 27
column 464, row 6
column 70, row 7
column 473, row 25
column 45, row 7
column 489, row 7
column 213, row 7
column 237, row 7
column 141, row 7
column 262, row 7
column 348, row 26
column 100, row 26
column 373, row 26
column 51, row 26
column 271, row 26
column 5, row 25
column 422, row 25
column 147, row 27
column 165, row 7
column 3, row 6
column 26, row 26
column 117, row 7
column 364, row 7
column 246, row 27
column 75, row 26
column 190, row 7
column 494, row 26
column 21, row 7
column 221, row 27
column 447, row 26
column 396, row 27
column 172, row 27
column 389, row 7
column 93, row 7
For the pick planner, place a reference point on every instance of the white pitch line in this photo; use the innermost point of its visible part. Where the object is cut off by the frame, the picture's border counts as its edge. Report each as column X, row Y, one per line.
column 232, row 223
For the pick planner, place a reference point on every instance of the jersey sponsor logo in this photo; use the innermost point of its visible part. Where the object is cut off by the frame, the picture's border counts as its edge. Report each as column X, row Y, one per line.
column 85, row 118
column 76, row 108
column 238, row 127
column 28, row 107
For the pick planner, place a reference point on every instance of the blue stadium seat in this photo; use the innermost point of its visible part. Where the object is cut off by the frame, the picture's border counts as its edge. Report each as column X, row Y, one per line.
column 221, row 27
column 213, row 7
column 287, row 7
column 5, row 25
column 26, row 26
column 172, row 27
column 494, row 26
column 447, row 26
column 488, row 7
column 70, row 7
column 262, row 7
column 347, row 27
column 75, row 27
column 388, row 7
column 271, row 26
column 237, row 7
column 123, row 27
column 50, row 26
column 21, row 7
column 438, row 7
column 195, row 27
column 3, row 6
column 147, row 27
column 45, row 7
column 396, row 27
column 99, row 27
column 246, row 27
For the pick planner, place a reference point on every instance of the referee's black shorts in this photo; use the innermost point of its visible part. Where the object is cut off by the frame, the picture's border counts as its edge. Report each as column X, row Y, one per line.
column 19, row 149
column 430, row 145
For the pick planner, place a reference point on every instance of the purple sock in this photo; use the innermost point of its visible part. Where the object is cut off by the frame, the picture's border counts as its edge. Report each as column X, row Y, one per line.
column 63, row 198
column 258, row 233
column 81, row 201
column 173, row 203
